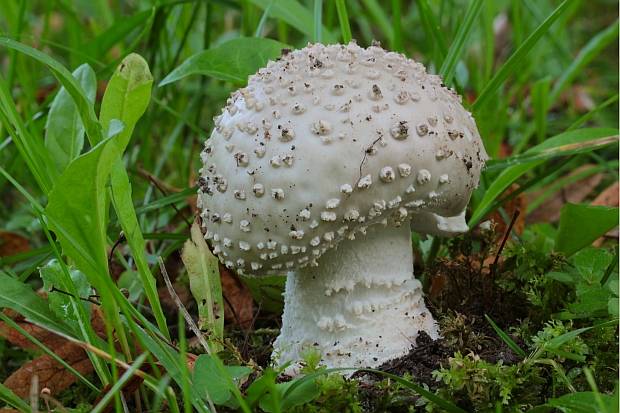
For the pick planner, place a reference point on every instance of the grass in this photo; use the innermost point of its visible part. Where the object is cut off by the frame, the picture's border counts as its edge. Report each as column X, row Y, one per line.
column 104, row 108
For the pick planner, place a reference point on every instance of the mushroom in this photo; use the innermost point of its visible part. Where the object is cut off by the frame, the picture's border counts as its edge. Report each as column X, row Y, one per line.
column 322, row 166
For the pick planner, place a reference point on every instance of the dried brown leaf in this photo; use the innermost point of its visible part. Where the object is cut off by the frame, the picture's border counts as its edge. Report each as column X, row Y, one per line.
column 237, row 296
column 12, row 243
column 573, row 193
column 609, row 196
column 51, row 373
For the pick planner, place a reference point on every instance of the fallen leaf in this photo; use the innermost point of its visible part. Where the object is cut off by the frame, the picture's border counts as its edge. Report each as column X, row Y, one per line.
column 12, row 243
column 238, row 301
column 574, row 193
column 51, row 373
column 609, row 196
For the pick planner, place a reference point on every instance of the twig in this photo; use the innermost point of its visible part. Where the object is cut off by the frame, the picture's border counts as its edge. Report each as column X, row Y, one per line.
column 188, row 319
column 90, row 298
column 248, row 331
column 515, row 215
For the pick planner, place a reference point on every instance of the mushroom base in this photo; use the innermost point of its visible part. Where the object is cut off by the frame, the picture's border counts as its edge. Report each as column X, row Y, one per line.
column 360, row 307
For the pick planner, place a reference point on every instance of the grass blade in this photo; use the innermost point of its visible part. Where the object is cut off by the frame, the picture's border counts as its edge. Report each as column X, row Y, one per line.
column 318, row 18
column 380, row 18
column 118, row 385
column 506, row 338
column 47, row 351
column 85, row 108
column 462, row 35
column 7, row 396
column 599, row 42
column 433, row 30
column 296, row 15
column 36, row 159
column 232, row 61
column 513, row 172
column 343, row 19
column 518, row 57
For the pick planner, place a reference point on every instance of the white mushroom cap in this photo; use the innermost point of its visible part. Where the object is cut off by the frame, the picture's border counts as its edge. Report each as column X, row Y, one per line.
column 327, row 141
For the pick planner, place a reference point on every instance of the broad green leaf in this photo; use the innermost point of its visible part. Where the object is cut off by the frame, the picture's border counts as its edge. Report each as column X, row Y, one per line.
column 583, row 402
column 126, row 97
column 20, row 298
column 125, row 100
column 59, row 301
column 580, row 225
column 232, row 61
column 294, row 14
column 206, row 287
column 208, row 379
column 77, row 212
column 64, row 130
column 305, row 392
column 555, row 146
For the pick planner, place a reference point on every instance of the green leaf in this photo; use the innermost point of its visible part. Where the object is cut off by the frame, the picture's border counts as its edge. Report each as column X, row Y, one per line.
column 305, row 392
column 64, row 130
column 126, row 97
column 295, row 14
column 76, row 210
column 583, row 402
column 20, row 298
column 517, row 59
column 555, row 146
column 208, row 379
column 125, row 100
column 206, row 287
column 580, row 225
column 59, row 301
column 232, row 61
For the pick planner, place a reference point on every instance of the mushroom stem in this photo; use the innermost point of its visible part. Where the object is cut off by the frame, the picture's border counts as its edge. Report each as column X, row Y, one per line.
column 360, row 307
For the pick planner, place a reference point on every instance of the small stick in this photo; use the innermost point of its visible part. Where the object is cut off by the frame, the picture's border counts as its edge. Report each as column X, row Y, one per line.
column 515, row 215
